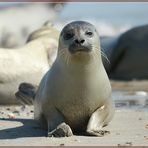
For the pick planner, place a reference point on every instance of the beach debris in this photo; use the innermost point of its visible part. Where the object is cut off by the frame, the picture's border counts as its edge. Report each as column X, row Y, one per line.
column 129, row 143
column 141, row 93
column 77, row 140
column 146, row 137
column 2, row 113
column 32, row 111
column 23, row 108
column 125, row 144
column 103, row 132
column 146, row 126
column 11, row 116
column 16, row 111
column 8, row 108
column 62, row 144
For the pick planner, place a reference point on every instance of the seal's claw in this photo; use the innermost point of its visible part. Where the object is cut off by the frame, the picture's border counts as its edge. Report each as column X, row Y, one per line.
column 99, row 133
column 63, row 130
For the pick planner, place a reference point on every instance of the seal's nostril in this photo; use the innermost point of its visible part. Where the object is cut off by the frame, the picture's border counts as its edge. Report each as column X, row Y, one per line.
column 79, row 41
column 82, row 41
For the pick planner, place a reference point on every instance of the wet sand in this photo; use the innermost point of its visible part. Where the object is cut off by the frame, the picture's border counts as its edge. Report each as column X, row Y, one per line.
column 129, row 126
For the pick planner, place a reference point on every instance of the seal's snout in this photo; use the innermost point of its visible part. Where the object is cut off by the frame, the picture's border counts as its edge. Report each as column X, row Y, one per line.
column 79, row 41
column 79, row 45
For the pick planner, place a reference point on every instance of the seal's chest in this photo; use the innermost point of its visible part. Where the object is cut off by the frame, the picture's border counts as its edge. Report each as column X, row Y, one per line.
column 81, row 98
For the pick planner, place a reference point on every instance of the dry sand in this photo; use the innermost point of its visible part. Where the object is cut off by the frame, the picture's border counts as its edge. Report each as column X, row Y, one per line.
column 129, row 126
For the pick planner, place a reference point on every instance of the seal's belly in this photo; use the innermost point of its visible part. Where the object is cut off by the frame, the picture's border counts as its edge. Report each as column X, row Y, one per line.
column 77, row 112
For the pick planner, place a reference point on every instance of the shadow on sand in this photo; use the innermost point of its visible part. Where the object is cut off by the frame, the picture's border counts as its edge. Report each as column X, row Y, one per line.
column 29, row 129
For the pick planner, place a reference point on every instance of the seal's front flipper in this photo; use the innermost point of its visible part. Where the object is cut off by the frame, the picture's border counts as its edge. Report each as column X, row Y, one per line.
column 98, row 133
column 100, row 118
column 56, row 124
column 26, row 93
column 63, row 130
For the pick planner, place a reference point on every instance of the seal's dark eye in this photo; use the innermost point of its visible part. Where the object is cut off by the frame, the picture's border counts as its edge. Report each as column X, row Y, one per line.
column 89, row 33
column 68, row 36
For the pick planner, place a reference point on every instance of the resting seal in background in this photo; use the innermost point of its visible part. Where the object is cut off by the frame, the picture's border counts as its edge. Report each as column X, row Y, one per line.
column 129, row 58
column 75, row 94
column 28, row 63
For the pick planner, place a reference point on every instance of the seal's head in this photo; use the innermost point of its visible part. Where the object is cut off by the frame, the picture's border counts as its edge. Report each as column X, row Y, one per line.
column 79, row 38
column 46, row 31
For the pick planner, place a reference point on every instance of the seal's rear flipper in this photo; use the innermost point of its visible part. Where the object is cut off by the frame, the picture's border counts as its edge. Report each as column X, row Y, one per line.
column 26, row 93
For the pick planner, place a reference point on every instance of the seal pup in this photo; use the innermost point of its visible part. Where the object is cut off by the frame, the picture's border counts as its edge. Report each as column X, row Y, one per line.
column 26, row 64
column 75, row 94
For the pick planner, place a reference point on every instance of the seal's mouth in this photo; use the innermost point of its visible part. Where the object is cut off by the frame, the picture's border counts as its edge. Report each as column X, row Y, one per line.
column 76, row 49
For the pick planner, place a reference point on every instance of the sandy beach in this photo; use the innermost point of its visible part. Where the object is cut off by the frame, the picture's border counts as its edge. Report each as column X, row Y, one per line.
column 129, row 126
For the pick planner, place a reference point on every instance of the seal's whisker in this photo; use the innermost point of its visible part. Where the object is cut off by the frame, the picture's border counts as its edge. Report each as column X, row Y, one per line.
column 67, row 59
column 62, row 49
column 61, row 53
column 103, row 54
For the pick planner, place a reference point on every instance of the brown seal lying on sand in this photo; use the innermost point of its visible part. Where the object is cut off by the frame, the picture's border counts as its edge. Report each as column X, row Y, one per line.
column 75, row 94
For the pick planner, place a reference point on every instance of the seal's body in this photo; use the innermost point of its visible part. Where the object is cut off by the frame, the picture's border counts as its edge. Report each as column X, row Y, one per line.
column 129, row 57
column 76, row 90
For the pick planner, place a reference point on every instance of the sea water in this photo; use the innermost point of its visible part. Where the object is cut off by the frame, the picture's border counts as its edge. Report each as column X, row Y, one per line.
column 110, row 18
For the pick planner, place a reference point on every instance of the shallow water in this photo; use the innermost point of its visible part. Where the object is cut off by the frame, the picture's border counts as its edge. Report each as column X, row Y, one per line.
column 130, row 99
